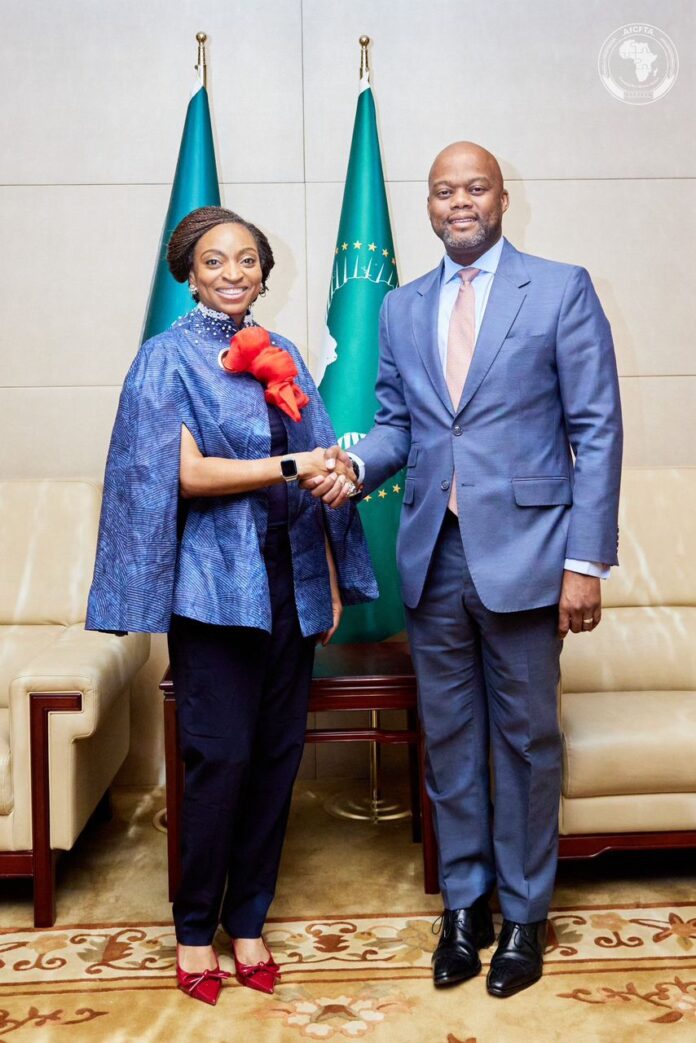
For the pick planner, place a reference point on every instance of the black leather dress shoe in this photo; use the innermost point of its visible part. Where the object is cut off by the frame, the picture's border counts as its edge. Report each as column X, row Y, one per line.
column 518, row 960
column 464, row 932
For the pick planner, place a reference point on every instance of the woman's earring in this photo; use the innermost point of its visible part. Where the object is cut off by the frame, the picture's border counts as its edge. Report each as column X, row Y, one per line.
column 193, row 290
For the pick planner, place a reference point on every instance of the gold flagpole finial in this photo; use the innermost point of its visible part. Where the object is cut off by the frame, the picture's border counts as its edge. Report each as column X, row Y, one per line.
column 201, row 67
column 364, row 42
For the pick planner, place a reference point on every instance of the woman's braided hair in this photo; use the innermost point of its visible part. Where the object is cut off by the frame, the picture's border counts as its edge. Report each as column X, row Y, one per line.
column 183, row 240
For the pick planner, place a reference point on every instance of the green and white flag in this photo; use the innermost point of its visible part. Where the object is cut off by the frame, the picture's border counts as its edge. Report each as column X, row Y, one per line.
column 364, row 271
column 195, row 184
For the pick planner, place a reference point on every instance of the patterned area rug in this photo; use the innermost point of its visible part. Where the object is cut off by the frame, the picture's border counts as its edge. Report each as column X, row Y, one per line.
column 614, row 975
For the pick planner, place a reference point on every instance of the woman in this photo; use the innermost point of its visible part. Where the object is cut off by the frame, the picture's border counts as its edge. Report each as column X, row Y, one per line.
column 206, row 535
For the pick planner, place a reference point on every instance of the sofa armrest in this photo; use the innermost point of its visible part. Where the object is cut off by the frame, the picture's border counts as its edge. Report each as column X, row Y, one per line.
column 99, row 666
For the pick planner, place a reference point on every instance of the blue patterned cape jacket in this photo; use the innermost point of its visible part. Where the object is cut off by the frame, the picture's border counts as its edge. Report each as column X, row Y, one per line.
column 148, row 568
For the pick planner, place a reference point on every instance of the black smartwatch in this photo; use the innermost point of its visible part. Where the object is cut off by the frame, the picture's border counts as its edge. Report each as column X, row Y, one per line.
column 288, row 468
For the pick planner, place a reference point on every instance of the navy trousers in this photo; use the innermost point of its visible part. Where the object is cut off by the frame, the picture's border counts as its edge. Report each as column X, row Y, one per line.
column 487, row 683
column 242, row 697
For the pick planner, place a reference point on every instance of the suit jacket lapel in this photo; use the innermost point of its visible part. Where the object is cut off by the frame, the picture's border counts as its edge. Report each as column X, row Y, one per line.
column 504, row 302
column 424, row 316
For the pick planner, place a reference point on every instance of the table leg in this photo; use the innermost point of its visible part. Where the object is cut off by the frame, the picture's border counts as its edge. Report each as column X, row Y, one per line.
column 414, row 779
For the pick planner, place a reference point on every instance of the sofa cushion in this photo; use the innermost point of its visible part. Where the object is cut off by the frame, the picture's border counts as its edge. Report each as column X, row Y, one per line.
column 633, row 649
column 47, row 546
column 637, row 813
column 656, row 544
column 18, row 646
column 628, row 743
column 6, row 802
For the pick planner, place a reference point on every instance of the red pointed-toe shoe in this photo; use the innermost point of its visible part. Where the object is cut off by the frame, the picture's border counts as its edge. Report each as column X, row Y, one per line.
column 201, row 985
column 261, row 976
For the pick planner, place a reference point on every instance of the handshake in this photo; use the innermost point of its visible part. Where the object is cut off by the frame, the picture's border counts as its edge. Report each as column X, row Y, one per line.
column 328, row 474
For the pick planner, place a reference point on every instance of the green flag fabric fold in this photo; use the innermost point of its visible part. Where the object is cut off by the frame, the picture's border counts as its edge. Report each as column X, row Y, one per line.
column 195, row 184
column 364, row 271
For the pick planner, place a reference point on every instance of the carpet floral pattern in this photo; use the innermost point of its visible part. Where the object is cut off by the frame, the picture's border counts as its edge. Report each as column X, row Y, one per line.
column 610, row 974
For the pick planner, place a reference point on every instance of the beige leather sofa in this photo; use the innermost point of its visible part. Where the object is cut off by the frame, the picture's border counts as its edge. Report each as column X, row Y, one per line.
column 64, row 692
column 628, row 702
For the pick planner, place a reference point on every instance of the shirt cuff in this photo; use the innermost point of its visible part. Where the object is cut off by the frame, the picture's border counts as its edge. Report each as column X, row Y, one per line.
column 359, row 466
column 588, row 568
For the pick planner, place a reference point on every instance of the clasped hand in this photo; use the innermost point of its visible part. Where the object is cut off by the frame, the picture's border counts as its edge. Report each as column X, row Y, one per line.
column 329, row 475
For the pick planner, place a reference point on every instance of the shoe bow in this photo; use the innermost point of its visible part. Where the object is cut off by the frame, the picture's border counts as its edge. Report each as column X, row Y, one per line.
column 192, row 981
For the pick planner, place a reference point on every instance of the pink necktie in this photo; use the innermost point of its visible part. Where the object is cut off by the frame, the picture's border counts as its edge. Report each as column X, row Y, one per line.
column 460, row 348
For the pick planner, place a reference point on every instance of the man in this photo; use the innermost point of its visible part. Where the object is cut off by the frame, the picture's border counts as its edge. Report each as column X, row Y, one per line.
column 498, row 390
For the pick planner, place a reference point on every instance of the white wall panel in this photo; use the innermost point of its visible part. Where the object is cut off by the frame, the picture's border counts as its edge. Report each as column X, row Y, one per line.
column 637, row 238
column 76, row 290
column 519, row 78
column 56, row 432
column 82, row 258
column 97, row 92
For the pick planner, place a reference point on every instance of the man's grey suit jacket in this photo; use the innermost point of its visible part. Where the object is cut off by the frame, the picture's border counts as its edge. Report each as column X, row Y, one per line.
column 535, row 441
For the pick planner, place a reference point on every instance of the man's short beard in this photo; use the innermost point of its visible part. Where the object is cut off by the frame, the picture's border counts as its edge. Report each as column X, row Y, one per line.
column 451, row 238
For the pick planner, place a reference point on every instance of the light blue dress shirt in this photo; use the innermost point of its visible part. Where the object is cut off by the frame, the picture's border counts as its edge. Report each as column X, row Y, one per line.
column 487, row 265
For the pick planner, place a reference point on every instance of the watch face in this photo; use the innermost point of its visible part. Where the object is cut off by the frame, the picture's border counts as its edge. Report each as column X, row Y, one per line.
column 288, row 468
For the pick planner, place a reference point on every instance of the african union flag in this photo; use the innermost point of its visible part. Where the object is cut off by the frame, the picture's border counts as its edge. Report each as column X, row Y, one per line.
column 364, row 271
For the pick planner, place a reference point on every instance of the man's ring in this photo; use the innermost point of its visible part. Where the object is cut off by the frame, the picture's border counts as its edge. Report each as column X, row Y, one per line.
column 590, row 620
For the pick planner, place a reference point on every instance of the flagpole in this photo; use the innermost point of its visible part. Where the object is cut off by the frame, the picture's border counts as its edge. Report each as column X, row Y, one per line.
column 364, row 42
column 377, row 809
column 372, row 808
column 201, row 65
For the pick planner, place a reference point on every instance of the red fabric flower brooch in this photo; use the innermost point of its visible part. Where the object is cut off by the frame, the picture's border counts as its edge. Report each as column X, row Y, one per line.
column 251, row 352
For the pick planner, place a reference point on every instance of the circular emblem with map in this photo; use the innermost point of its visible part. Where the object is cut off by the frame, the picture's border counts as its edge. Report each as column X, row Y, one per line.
column 638, row 64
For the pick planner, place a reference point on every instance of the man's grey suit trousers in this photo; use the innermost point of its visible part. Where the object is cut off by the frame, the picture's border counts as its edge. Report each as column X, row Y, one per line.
column 487, row 681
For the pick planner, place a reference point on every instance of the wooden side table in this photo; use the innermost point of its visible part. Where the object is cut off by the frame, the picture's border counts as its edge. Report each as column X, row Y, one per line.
column 369, row 677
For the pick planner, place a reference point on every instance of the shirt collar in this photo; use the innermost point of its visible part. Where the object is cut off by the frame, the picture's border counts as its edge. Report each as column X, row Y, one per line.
column 487, row 262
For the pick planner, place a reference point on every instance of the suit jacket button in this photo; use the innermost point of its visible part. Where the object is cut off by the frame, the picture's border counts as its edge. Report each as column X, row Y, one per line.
column 444, row 485
column 456, row 430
